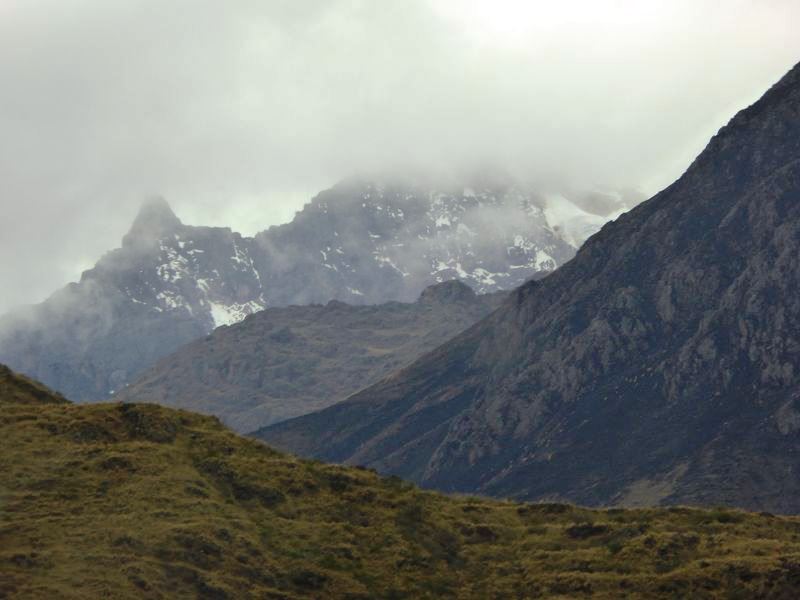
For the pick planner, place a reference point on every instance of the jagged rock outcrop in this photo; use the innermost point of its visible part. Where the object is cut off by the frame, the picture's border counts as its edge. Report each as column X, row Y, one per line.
column 660, row 365
column 168, row 284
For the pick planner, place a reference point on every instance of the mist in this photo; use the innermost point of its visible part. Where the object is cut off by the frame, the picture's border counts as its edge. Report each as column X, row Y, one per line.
column 237, row 113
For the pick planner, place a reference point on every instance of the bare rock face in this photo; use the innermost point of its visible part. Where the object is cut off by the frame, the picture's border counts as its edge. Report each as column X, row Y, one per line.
column 661, row 364
column 285, row 362
column 361, row 242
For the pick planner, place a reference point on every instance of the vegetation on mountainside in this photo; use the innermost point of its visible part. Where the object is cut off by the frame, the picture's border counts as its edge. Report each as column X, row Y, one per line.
column 140, row 501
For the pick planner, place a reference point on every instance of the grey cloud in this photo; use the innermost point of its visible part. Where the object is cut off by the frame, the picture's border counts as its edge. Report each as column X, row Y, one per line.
column 237, row 112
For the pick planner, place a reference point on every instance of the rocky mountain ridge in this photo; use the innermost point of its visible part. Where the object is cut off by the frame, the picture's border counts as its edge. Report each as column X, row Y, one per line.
column 285, row 362
column 660, row 365
column 362, row 242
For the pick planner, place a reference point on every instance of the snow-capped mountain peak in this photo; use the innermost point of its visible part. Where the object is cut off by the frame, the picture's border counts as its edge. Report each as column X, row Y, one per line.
column 361, row 242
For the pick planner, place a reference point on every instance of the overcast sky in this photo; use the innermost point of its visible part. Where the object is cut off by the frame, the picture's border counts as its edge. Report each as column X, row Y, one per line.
column 238, row 111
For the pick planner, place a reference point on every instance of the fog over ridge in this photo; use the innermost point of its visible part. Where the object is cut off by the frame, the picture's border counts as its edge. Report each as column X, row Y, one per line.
column 238, row 113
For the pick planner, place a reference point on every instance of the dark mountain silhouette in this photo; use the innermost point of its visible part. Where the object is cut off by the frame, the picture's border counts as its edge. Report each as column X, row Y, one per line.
column 660, row 365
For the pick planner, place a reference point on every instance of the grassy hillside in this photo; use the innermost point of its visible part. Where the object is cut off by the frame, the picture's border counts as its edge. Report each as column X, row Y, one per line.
column 139, row 501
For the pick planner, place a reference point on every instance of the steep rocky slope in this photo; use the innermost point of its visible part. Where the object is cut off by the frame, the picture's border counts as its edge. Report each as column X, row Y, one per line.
column 362, row 242
column 140, row 501
column 660, row 365
column 285, row 362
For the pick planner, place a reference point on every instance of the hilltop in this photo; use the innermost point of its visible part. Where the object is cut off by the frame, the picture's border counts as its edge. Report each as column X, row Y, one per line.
column 141, row 501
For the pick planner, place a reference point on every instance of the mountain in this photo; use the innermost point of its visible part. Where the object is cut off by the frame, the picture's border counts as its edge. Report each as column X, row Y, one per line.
column 284, row 362
column 362, row 241
column 140, row 501
column 660, row 365
column 168, row 284
column 368, row 242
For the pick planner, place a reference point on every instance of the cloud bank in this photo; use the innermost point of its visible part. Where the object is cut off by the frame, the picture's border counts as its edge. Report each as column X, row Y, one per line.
column 238, row 112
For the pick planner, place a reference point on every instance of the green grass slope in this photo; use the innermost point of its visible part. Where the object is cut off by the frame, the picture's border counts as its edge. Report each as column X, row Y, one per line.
column 140, row 501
